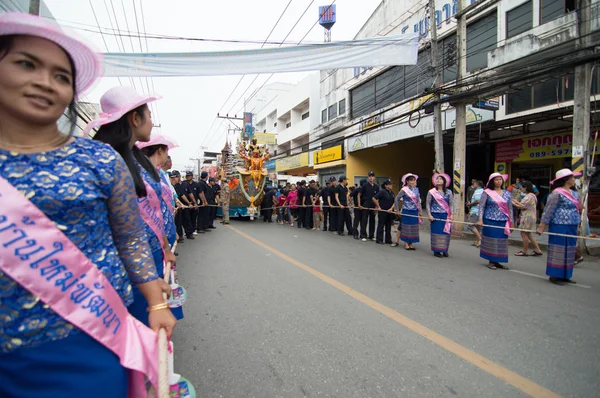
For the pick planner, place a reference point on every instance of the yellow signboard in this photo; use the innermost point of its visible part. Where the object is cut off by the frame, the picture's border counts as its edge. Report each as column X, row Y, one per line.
column 328, row 155
column 292, row 162
column 265, row 138
column 535, row 148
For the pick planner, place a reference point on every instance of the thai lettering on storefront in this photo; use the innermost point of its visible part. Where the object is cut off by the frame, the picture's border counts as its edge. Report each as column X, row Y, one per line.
column 533, row 148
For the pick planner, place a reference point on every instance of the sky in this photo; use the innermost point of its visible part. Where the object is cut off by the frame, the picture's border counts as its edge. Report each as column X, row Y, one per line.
column 190, row 104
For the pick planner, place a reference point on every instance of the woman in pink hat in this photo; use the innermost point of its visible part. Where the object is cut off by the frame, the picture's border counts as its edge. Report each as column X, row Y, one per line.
column 439, row 209
column 411, row 210
column 562, row 215
column 496, row 217
column 125, row 120
column 70, row 228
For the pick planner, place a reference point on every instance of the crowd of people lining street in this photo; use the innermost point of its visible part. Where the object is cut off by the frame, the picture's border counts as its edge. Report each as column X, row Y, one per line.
column 370, row 212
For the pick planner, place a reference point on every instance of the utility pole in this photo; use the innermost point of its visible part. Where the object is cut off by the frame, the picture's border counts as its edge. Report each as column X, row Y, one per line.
column 581, row 112
column 460, row 132
column 437, row 110
column 34, row 7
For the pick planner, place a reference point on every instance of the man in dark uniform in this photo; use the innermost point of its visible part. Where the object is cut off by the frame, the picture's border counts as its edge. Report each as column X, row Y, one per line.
column 211, row 198
column 357, row 210
column 343, row 212
column 202, row 225
column 185, row 214
column 301, row 203
column 325, row 203
column 192, row 192
column 365, row 201
column 384, row 203
column 309, row 200
column 332, row 205
column 268, row 203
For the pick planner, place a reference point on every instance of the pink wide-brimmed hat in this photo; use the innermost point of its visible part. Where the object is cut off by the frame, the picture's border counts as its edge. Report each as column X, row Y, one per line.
column 494, row 175
column 562, row 173
column 446, row 177
column 158, row 139
column 118, row 101
column 405, row 176
column 88, row 63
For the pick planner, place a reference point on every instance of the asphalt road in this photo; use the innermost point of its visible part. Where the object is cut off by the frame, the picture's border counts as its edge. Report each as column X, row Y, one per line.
column 298, row 313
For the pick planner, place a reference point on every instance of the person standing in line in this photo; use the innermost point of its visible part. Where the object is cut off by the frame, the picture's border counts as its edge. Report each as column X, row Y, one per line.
column 410, row 197
column 384, row 206
column 317, row 215
column 325, row 200
column 224, row 199
column 268, row 203
column 528, row 220
column 85, row 188
column 365, row 203
column 333, row 209
column 470, row 191
column 343, row 213
column 180, row 196
column 358, row 211
column 217, row 190
column 192, row 191
column 440, row 201
column 211, row 198
column 474, row 213
column 309, row 202
column 301, row 204
column 281, row 210
column 203, row 210
column 183, row 194
column 562, row 216
column 496, row 218
column 292, row 202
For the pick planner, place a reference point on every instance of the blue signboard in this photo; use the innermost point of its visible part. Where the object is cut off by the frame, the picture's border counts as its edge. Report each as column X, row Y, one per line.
column 248, row 128
column 269, row 165
column 327, row 16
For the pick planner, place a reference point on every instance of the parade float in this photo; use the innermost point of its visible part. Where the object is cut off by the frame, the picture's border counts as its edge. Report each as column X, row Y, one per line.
column 244, row 169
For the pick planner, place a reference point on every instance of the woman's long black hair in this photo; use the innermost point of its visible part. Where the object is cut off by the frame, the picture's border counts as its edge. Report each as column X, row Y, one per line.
column 444, row 187
column 490, row 184
column 118, row 135
column 560, row 182
column 6, row 44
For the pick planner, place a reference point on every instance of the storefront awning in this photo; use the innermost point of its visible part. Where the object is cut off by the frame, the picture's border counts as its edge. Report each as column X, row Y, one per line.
column 329, row 165
column 299, row 172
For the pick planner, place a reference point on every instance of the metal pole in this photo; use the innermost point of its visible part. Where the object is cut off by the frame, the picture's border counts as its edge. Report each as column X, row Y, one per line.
column 437, row 110
column 460, row 132
column 34, row 7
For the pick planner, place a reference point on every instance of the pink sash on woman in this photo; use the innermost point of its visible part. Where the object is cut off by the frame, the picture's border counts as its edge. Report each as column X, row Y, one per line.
column 412, row 197
column 151, row 213
column 567, row 194
column 166, row 192
column 442, row 202
column 503, row 206
column 38, row 256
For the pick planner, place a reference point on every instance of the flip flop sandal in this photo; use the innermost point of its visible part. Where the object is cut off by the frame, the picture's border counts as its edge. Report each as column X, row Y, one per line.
column 500, row 266
column 536, row 254
column 394, row 244
column 521, row 254
column 578, row 260
column 492, row 266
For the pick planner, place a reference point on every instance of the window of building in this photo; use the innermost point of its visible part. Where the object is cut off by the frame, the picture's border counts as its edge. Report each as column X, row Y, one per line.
column 342, row 107
column 482, row 36
column 288, row 125
column 553, row 9
column 305, row 116
column 332, row 111
column 324, row 116
column 362, row 99
column 275, row 124
column 519, row 19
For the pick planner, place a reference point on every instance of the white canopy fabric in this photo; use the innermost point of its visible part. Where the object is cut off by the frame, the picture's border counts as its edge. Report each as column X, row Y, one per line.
column 378, row 51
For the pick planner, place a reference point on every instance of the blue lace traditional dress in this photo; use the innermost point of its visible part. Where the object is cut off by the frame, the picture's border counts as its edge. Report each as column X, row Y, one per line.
column 409, row 229
column 85, row 188
column 440, row 241
column 138, row 308
column 562, row 217
column 494, row 242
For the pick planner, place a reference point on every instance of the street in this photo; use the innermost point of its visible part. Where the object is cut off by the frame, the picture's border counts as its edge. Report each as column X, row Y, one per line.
column 275, row 311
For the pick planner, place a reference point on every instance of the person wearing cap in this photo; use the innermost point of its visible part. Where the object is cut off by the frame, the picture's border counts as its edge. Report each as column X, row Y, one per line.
column 203, row 213
column 224, row 199
column 301, row 204
column 439, row 205
column 384, row 205
column 182, row 215
column 309, row 201
column 357, row 209
column 562, row 216
column 410, row 197
column 324, row 201
column 496, row 217
column 333, row 209
column 343, row 212
column 365, row 202
column 84, row 187
column 192, row 188
column 212, row 195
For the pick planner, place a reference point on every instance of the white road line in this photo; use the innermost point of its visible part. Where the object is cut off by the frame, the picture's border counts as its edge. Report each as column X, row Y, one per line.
column 545, row 277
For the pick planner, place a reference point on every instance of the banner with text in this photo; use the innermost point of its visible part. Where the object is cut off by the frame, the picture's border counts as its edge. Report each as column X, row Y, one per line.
column 292, row 162
column 549, row 146
column 328, row 155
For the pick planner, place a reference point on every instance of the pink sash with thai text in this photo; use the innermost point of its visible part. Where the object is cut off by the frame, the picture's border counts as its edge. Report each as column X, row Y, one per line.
column 414, row 198
column 503, row 206
column 166, row 192
column 444, row 205
column 567, row 194
column 38, row 256
column 151, row 214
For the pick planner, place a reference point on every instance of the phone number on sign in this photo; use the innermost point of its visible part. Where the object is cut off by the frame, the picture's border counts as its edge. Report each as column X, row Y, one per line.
column 556, row 152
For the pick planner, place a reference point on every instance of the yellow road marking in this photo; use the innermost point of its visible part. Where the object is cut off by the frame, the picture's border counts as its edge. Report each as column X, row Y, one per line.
column 483, row 363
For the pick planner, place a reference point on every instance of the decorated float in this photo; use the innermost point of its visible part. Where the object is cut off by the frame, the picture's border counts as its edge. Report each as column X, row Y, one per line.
column 244, row 169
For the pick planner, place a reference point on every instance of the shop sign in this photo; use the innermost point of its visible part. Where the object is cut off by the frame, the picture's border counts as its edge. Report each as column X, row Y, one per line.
column 328, row 155
column 292, row 162
column 474, row 116
column 265, row 138
column 358, row 143
column 492, row 104
column 269, row 165
column 401, row 131
column 371, row 122
column 532, row 148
